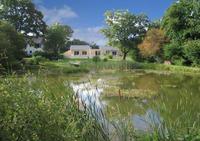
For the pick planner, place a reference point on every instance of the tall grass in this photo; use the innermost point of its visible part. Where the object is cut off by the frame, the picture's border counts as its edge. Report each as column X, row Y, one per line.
column 178, row 122
column 43, row 109
column 38, row 109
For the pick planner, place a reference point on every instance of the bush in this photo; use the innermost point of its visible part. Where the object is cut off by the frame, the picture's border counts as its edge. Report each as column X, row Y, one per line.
column 192, row 51
column 177, row 60
column 39, row 53
column 96, row 59
column 105, row 59
column 110, row 56
column 35, row 60
column 47, row 55
column 174, row 52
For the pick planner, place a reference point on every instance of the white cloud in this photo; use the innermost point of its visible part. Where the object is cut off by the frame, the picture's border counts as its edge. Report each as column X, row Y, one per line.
column 60, row 15
column 91, row 34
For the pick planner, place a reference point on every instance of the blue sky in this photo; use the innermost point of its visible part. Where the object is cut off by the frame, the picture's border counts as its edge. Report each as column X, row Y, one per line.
column 86, row 17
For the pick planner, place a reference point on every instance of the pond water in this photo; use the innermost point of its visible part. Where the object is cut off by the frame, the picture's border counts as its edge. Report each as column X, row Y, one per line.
column 143, row 97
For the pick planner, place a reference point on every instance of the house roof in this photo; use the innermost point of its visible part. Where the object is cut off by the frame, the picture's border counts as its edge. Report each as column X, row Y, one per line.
column 79, row 47
column 109, row 48
column 87, row 47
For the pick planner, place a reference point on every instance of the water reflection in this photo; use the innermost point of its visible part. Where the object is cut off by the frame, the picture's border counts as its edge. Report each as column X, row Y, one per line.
column 171, row 91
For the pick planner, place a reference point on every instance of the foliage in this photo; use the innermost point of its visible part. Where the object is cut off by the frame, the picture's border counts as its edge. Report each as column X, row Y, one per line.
column 94, row 46
column 78, row 42
column 96, row 59
column 110, row 56
column 48, row 55
column 105, row 59
column 31, row 109
column 181, row 21
column 192, row 51
column 174, row 52
column 56, row 38
column 153, row 43
column 34, row 60
column 73, row 42
column 39, row 53
column 181, row 25
column 124, row 29
column 11, row 46
column 155, row 24
column 24, row 16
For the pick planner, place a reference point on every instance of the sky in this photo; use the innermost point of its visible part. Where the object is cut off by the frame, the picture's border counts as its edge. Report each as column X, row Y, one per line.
column 86, row 17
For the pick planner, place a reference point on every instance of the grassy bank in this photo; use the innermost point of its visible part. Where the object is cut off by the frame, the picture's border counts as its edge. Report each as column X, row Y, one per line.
column 87, row 65
column 171, row 68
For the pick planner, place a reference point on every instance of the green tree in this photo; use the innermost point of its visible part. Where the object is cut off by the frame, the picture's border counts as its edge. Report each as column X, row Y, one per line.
column 174, row 52
column 181, row 21
column 73, row 42
column 94, row 46
column 125, row 30
column 181, row 24
column 23, row 15
column 11, row 45
column 57, row 37
column 77, row 42
column 192, row 51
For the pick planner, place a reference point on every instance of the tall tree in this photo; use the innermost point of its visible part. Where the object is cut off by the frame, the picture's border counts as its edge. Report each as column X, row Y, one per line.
column 23, row 15
column 11, row 45
column 56, row 38
column 124, row 29
column 181, row 21
column 181, row 24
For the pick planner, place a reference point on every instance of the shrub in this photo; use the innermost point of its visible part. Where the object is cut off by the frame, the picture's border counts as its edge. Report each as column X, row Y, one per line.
column 96, row 59
column 192, row 51
column 39, row 53
column 110, row 56
column 35, row 60
column 174, row 52
column 105, row 59
column 177, row 60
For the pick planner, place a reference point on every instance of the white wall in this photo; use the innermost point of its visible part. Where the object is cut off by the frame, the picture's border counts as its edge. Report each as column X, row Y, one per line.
column 31, row 49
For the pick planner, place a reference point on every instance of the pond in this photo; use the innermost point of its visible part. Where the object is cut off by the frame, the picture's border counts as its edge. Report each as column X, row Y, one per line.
column 143, row 97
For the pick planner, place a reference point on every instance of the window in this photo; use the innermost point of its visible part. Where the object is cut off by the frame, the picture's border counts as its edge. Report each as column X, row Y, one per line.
column 30, row 52
column 107, row 52
column 84, row 52
column 97, row 53
column 37, row 45
column 76, row 52
column 114, row 53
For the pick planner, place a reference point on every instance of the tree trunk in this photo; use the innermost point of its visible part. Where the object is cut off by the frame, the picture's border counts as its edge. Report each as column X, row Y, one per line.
column 124, row 55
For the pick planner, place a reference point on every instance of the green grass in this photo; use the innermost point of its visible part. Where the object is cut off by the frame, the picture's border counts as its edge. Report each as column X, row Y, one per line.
column 171, row 68
column 87, row 65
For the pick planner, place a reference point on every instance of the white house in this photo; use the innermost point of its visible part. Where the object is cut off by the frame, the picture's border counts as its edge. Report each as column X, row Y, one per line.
column 85, row 51
column 35, row 44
